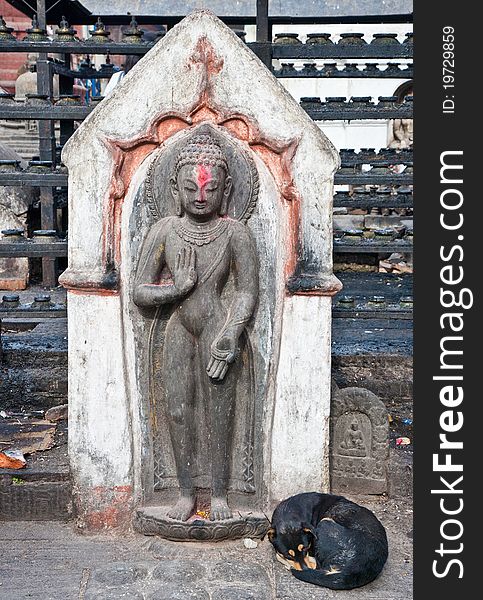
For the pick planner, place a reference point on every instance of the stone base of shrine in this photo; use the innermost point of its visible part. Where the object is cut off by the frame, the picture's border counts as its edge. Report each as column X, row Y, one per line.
column 153, row 520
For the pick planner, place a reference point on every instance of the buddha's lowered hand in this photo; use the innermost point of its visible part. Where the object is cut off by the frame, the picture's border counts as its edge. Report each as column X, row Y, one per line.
column 223, row 352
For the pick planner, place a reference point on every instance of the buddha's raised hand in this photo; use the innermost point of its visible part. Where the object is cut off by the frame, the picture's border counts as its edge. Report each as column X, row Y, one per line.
column 184, row 274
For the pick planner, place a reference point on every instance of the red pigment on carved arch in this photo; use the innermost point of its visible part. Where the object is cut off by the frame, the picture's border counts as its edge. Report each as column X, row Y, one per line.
column 129, row 155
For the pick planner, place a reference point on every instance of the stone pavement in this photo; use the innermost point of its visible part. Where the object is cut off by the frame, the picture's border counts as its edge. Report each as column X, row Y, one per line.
column 50, row 561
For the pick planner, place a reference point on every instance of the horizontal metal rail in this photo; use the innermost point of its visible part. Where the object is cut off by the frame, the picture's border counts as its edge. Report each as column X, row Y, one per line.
column 32, row 249
column 45, row 112
column 77, row 47
column 278, row 50
column 350, row 111
column 363, row 200
column 47, row 179
column 26, row 312
column 367, row 178
column 321, row 111
column 365, row 287
column 352, row 71
column 366, row 312
column 305, row 51
column 391, row 156
column 364, row 246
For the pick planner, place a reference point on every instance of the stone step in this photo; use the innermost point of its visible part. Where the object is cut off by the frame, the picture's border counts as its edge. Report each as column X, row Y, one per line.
column 34, row 500
column 375, row 354
column 371, row 353
column 42, row 491
column 33, row 369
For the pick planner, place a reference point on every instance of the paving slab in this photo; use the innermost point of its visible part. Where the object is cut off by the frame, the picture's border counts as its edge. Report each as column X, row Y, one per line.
column 51, row 561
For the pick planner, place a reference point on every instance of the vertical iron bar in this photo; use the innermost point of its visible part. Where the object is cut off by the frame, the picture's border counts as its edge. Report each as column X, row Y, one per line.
column 48, row 221
column 262, row 21
column 41, row 14
column 263, row 32
column 46, row 149
column 45, row 86
column 66, row 86
column 46, row 128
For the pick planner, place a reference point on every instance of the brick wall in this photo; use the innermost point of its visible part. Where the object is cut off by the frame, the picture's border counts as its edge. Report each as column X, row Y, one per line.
column 11, row 62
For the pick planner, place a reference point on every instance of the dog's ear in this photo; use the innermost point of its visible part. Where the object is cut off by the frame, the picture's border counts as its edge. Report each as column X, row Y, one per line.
column 309, row 529
column 271, row 534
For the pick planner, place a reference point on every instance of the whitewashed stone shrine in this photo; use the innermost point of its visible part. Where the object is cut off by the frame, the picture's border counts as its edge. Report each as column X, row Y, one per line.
column 199, row 293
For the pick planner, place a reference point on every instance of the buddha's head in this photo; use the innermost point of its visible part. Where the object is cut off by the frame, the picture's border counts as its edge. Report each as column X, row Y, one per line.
column 201, row 184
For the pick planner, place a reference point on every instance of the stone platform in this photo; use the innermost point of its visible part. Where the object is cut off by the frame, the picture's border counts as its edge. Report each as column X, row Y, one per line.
column 371, row 353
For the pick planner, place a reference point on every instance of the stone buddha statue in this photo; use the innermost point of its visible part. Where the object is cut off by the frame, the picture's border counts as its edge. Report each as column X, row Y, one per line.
column 185, row 263
column 353, row 443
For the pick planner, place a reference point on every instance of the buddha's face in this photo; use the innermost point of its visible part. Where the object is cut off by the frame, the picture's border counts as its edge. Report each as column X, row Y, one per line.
column 202, row 190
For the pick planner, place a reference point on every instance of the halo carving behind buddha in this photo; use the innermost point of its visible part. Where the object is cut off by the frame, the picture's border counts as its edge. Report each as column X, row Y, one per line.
column 241, row 167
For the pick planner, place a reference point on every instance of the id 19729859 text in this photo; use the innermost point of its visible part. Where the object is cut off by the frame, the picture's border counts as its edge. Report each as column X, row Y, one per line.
column 448, row 69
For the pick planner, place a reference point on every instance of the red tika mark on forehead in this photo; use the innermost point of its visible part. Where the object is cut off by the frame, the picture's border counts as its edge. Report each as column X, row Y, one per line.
column 203, row 175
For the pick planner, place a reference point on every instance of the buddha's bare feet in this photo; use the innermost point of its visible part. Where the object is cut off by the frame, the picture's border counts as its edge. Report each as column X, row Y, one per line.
column 183, row 509
column 220, row 509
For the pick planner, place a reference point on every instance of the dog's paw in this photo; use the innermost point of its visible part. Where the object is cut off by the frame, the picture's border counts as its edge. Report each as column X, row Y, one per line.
column 288, row 564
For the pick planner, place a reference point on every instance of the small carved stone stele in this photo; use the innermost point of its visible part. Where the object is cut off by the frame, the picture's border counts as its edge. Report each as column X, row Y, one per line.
column 359, row 442
column 186, row 262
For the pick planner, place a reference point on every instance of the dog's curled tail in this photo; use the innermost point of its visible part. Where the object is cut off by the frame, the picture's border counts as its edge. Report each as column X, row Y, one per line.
column 333, row 579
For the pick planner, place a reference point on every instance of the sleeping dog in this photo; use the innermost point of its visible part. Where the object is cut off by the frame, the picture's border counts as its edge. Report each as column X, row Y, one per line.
column 328, row 540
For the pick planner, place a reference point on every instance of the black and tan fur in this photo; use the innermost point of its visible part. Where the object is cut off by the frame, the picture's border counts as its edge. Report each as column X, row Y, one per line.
column 328, row 540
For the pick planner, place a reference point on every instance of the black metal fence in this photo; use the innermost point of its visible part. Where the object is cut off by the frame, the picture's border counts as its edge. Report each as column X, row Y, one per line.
column 375, row 186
